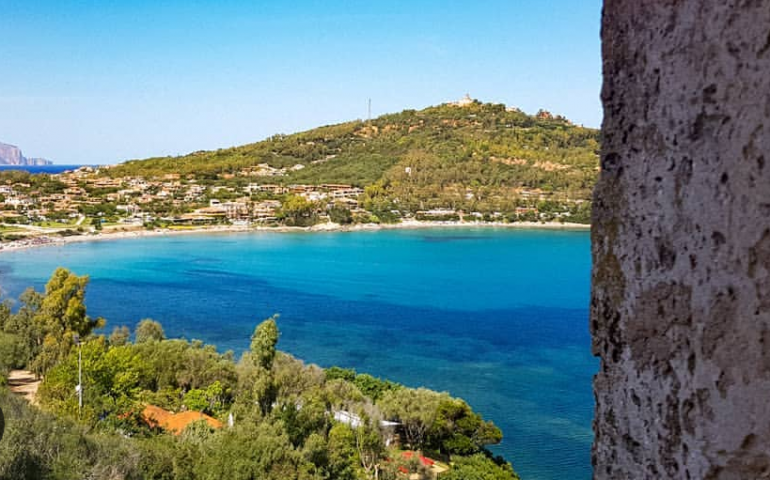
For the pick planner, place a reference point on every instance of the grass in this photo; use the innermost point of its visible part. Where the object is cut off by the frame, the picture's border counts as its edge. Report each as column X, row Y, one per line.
column 50, row 224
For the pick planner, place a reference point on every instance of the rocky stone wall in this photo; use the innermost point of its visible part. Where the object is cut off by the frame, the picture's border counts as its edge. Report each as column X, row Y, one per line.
column 680, row 304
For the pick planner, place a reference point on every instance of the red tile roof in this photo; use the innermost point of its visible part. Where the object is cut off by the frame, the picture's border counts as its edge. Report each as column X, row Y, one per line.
column 424, row 460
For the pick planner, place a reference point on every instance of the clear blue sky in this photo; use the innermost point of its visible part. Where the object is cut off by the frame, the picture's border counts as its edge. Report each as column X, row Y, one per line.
column 108, row 80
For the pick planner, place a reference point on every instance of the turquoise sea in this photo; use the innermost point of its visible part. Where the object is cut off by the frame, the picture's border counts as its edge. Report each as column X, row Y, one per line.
column 498, row 317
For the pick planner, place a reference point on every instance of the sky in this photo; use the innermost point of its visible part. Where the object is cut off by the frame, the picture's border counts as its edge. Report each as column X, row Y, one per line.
column 103, row 81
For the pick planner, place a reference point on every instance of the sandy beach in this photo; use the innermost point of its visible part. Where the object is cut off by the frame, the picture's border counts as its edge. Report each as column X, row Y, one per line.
column 53, row 240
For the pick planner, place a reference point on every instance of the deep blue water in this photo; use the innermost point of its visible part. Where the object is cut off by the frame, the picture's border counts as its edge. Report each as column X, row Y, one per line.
column 51, row 169
column 498, row 317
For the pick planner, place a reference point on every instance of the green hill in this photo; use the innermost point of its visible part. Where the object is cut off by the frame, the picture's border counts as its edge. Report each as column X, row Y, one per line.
column 479, row 157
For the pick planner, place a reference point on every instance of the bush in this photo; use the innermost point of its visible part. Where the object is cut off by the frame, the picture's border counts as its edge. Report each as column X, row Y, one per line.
column 339, row 213
column 479, row 467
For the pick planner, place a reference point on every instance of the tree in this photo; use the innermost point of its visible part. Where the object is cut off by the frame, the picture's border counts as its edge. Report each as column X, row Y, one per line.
column 479, row 467
column 343, row 394
column 373, row 387
column 5, row 313
column 316, row 454
column 149, row 330
column 416, row 409
column 197, row 432
column 10, row 355
column 301, row 418
column 339, row 213
column 347, row 374
column 264, row 341
column 249, row 451
column 341, row 449
column 459, row 430
column 56, row 390
column 120, row 336
column 298, row 211
column 23, row 325
column 209, row 400
column 195, row 399
column 63, row 303
column 294, row 378
column 61, row 315
column 369, row 444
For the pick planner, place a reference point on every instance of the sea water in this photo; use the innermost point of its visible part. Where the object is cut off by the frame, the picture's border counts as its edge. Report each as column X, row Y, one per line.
column 495, row 316
column 49, row 169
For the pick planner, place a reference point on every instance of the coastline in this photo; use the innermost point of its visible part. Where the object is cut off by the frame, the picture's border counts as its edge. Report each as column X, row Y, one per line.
column 46, row 241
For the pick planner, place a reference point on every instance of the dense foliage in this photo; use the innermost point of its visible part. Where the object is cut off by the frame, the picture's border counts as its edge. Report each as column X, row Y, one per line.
column 290, row 420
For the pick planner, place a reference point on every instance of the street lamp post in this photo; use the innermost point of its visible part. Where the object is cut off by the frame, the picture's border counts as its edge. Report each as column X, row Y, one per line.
column 79, row 387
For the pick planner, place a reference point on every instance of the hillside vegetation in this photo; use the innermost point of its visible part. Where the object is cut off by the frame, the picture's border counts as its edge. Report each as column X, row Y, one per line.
column 479, row 157
column 265, row 416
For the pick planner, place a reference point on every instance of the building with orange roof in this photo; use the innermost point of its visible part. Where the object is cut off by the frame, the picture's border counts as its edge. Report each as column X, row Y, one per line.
column 176, row 422
column 155, row 416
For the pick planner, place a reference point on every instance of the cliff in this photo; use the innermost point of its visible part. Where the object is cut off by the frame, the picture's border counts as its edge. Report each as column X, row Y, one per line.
column 11, row 155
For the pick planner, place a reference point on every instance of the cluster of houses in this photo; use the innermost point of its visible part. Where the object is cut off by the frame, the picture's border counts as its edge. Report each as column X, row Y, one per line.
column 265, row 170
column 136, row 199
column 87, row 186
column 247, row 209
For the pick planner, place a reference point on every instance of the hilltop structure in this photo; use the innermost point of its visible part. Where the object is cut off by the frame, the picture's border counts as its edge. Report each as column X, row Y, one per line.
column 466, row 101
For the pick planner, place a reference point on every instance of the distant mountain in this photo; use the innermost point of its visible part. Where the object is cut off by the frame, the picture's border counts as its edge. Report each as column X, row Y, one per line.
column 11, row 155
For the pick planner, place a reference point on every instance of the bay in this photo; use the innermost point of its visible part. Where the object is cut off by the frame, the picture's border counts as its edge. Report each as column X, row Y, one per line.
column 495, row 316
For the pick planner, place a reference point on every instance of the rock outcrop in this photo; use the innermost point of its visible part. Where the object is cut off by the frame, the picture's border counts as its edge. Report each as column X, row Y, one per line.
column 11, row 155
column 680, row 303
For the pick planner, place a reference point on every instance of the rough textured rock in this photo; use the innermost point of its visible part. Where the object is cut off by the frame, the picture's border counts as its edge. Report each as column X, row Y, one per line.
column 680, row 307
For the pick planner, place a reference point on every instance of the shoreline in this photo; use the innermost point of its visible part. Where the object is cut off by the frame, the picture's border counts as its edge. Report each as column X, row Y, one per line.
column 47, row 241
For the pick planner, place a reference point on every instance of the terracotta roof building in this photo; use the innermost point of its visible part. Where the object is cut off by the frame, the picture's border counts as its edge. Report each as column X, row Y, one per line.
column 175, row 422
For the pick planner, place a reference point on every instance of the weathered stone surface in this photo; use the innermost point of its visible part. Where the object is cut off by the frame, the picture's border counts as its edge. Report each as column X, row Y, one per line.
column 680, row 307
